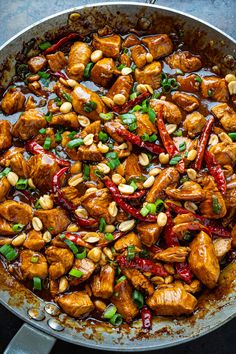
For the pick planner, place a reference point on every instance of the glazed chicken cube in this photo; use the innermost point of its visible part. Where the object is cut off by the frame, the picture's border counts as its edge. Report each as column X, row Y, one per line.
column 110, row 46
column 171, row 113
column 203, row 260
column 225, row 153
column 55, row 220
column 56, row 61
column 189, row 190
column 5, row 134
column 102, row 72
column 79, row 57
column 159, row 46
column 68, row 120
column 89, row 153
column 138, row 280
column 222, row 246
column 133, row 168
column 189, row 83
column 16, row 212
column 102, row 284
column 19, row 165
column 131, row 239
column 173, row 254
column 28, row 269
column 226, row 115
column 138, row 54
column 185, row 61
column 122, row 85
column 93, row 128
column 6, row 228
column 76, row 304
column 13, row 101
column 34, row 241
column 149, row 233
column 187, row 102
column 86, row 267
column 194, row 123
column 60, row 260
column 149, row 75
column 28, row 125
column 37, row 63
column 4, row 187
column 230, row 198
column 130, row 41
column 215, row 88
column 111, row 129
column 144, row 125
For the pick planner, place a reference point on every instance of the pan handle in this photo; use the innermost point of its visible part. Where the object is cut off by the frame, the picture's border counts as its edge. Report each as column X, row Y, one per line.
column 29, row 340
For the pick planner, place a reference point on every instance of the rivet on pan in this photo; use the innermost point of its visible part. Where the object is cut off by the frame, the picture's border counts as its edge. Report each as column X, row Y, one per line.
column 55, row 324
column 52, row 309
column 36, row 314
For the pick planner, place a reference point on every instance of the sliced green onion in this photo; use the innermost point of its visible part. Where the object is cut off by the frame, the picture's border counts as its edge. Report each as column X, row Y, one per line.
column 175, row 160
column 76, row 273
column 121, row 279
column 109, row 312
column 75, row 143
column 216, row 205
column 37, row 283
column 48, row 117
column 159, row 205
column 179, row 72
column 186, row 154
column 156, row 95
column 34, row 259
column 128, row 118
column 232, row 135
column 21, row 184
column 144, row 211
column 116, row 320
column 144, row 253
column 145, row 106
column 5, row 172
column 58, row 137
column 187, row 236
column 133, row 95
column 37, row 205
column 82, row 253
column 134, row 185
column 71, row 245
column 87, row 70
column 145, row 137
column 137, row 108
column 45, row 45
column 133, row 67
column 184, row 179
column 209, row 93
column 90, row 106
column 120, row 67
column 71, row 135
column 178, row 133
column 113, row 160
column 132, row 127
column 103, row 136
column 42, row 131
column 43, row 74
column 58, row 101
column 138, row 298
column 67, row 96
column 102, row 224
column 130, row 252
column 9, row 252
column 17, row 227
column 153, row 138
column 198, row 79
column 125, row 50
column 62, row 236
column 86, row 172
column 108, row 236
column 151, row 115
column 98, row 173
column 182, row 146
column 106, row 116
column 151, row 207
column 47, row 143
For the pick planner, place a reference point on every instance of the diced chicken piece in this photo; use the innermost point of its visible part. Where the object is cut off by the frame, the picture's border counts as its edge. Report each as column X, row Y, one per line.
column 97, row 182
column 226, row 115
column 144, row 125
column 150, row 75
column 184, row 218
column 215, row 88
column 19, row 165
column 102, row 284
column 159, row 45
column 111, row 128
column 60, row 90
column 5, row 134
column 37, row 63
column 29, row 269
column 60, row 260
column 4, row 187
column 139, row 280
column 125, row 60
column 212, row 197
column 68, row 120
column 86, row 266
column 185, row 61
column 230, row 198
column 28, row 125
column 172, row 301
column 189, row 190
column 173, row 254
column 72, row 194
column 76, row 304
column 189, row 83
column 89, row 153
column 122, row 299
column 149, row 233
column 190, row 144
column 6, row 228
column 93, row 128
column 171, row 112
column 42, row 170
column 97, row 204
column 16, row 212
column 56, row 61
column 13, row 101
column 138, row 53
column 203, row 260
column 121, row 153
column 87, row 102
column 222, row 246
column 110, row 46
column 79, row 54
column 131, row 239
column 233, row 234
column 122, row 85
column 102, row 72
column 130, row 40
column 132, row 168
column 6, row 157
column 225, row 153
column 194, row 123
column 54, row 220
column 34, row 241
column 166, row 178
column 187, row 102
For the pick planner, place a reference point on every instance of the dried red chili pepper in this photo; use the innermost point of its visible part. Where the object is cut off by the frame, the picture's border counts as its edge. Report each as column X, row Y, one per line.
column 216, row 171
column 136, row 140
column 76, row 238
column 184, row 272
column 116, row 195
column 146, row 316
column 62, row 41
column 126, row 107
column 58, row 74
column 135, row 195
column 203, row 143
column 170, row 236
column 35, row 148
column 143, row 264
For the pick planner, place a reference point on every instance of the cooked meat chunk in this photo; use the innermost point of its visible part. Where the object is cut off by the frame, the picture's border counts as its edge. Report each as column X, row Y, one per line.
column 16, row 212
column 230, row 198
column 42, row 170
column 131, row 239
column 125, row 60
column 110, row 46
column 56, row 61
column 194, row 123
column 149, row 233
column 225, row 153
column 79, row 57
column 94, row 128
column 81, row 101
column 166, row 178
column 102, row 284
column 185, row 61
column 138, row 54
column 72, row 194
column 86, row 267
column 29, row 269
column 54, row 220
column 68, row 120
column 130, row 40
column 89, row 153
column 171, row 113
column 37, row 63
column 203, row 260
column 96, row 203
column 172, row 300
column 215, row 88
column 60, row 90
column 132, row 168
column 76, row 304
column 189, row 190
column 189, row 83
column 187, row 102
column 111, row 128
column 144, row 125
column 13, row 101
column 226, row 115
column 102, row 72
column 5, row 134
column 60, row 260
column 159, row 46
column 34, row 241
column 6, row 228
column 122, row 299
column 7, row 156
column 122, row 85
column 4, row 187
column 28, row 125
column 19, row 165
column 173, row 254
column 139, row 280
column 233, row 234
column 222, row 246
column 150, row 75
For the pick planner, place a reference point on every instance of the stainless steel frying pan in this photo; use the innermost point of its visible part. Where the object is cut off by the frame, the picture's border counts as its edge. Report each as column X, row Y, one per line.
column 44, row 320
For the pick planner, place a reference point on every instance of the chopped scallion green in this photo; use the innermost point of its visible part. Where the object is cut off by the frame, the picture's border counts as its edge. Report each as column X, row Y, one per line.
column 130, row 252
column 82, row 253
column 75, row 143
column 175, row 160
column 9, row 252
column 34, row 259
column 103, row 136
column 76, row 273
column 71, row 245
column 37, row 283
column 21, row 184
column 232, row 135
column 17, row 227
column 134, row 185
column 87, row 70
column 216, row 205
column 138, row 298
column 45, row 45
column 106, row 116
column 67, row 96
column 116, row 320
column 122, row 278
column 5, row 172
column 42, row 131
column 86, row 172
column 182, row 146
column 47, row 143
column 108, row 236
column 109, row 312
column 90, row 106
column 102, row 224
